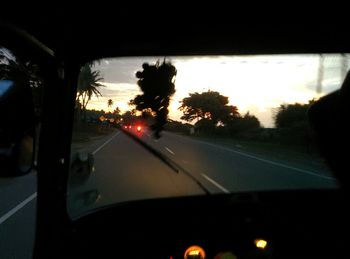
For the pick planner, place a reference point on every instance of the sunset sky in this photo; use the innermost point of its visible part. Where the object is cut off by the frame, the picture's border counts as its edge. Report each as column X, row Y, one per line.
column 257, row 84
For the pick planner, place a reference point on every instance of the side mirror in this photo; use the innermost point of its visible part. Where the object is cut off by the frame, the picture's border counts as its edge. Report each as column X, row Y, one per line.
column 82, row 166
column 82, row 192
column 17, row 129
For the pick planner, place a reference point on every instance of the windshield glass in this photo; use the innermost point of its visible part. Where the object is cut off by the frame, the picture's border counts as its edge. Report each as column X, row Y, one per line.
column 153, row 127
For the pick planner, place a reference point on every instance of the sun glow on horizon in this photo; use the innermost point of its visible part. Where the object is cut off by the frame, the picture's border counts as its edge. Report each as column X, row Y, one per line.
column 253, row 83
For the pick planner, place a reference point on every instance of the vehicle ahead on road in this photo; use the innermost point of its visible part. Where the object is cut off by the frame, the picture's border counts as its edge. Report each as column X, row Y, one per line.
column 137, row 127
column 127, row 126
column 177, row 196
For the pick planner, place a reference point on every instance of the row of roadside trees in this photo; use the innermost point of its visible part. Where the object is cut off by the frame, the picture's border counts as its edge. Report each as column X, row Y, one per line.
column 207, row 113
column 212, row 114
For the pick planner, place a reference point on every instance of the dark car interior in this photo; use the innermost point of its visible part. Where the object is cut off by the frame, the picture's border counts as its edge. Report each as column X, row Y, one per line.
column 295, row 224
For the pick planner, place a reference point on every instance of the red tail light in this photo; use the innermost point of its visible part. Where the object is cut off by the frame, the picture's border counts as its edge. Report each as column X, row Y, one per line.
column 139, row 128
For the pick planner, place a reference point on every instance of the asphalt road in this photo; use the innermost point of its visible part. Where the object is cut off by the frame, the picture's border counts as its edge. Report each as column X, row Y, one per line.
column 17, row 216
column 124, row 171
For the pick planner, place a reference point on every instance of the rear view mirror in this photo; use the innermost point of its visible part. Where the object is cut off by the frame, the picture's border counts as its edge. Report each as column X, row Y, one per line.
column 82, row 188
column 82, row 166
column 17, row 129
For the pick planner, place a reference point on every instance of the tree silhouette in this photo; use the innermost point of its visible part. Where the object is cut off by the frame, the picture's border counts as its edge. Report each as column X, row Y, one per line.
column 116, row 111
column 209, row 105
column 128, row 117
column 109, row 103
column 157, row 83
column 88, row 84
column 243, row 124
column 116, row 114
column 292, row 122
column 292, row 115
column 23, row 73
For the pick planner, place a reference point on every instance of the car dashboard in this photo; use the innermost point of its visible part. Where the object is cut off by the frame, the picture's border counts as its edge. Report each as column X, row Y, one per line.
column 276, row 224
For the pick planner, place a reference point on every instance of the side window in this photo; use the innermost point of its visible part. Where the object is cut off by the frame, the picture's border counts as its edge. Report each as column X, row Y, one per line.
column 21, row 93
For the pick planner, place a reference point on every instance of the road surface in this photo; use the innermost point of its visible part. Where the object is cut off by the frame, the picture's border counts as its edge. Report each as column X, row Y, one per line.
column 17, row 216
column 124, row 171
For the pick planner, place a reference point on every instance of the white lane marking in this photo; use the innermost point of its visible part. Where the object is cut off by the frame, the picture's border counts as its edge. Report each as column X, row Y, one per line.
column 282, row 165
column 169, row 150
column 17, row 208
column 34, row 195
column 267, row 161
column 99, row 148
column 148, row 135
column 215, row 183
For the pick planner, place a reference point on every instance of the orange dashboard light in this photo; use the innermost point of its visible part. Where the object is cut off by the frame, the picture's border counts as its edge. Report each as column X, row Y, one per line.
column 260, row 243
column 194, row 252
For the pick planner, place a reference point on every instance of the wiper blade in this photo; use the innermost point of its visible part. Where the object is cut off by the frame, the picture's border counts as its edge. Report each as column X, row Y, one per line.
column 166, row 160
column 153, row 151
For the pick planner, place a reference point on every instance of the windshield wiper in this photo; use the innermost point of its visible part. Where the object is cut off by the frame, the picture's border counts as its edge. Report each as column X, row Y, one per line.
column 166, row 160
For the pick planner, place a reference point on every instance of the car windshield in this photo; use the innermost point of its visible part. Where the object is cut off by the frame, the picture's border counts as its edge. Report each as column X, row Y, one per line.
column 156, row 127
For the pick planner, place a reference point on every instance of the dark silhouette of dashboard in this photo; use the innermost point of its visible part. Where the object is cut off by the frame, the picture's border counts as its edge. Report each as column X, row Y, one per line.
column 295, row 224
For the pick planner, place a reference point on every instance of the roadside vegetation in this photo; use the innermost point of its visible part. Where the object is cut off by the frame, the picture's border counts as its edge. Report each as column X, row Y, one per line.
column 207, row 115
column 291, row 136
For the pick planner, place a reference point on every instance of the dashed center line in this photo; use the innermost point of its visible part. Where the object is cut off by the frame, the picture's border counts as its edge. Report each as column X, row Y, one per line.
column 169, row 150
column 216, row 184
column 266, row 160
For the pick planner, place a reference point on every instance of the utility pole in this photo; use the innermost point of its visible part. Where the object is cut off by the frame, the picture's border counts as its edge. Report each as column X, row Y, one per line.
column 344, row 66
column 320, row 74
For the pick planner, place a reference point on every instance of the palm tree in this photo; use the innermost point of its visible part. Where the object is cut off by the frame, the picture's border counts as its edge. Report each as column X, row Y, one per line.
column 24, row 73
column 116, row 111
column 116, row 114
column 109, row 103
column 88, row 83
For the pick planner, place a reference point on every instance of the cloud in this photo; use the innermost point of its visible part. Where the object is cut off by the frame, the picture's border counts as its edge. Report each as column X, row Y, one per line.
column 122, row 70
column 120, row 93
column 257, row 83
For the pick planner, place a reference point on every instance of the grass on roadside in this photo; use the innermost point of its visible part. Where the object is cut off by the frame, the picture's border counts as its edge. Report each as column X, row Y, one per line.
column 271, row 150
